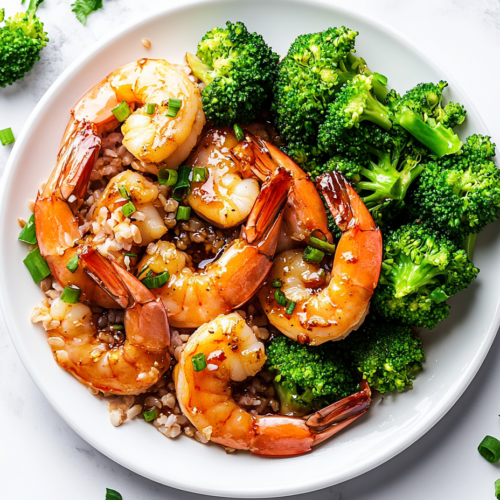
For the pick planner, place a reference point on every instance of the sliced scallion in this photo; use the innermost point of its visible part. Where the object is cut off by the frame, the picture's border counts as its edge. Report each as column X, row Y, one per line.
column 290, row 307
column 36, row 265
column 183, row 185
column 128, row 209
column 71, row 294
column 131, row 255
column 199, row 362
column 489, row 449
column 167, row 177
column 119, row 327
column 113, row 495
column 277, row 283
column 150, row 414
column 72, row 265
column 7, row 136
column 238, row 132
column 142, row 271
column 124, row 192
column 326, row 247
column 312, row 255
column 200, row 174
column 122, row 111
column 157, row 281
column 28, row 233
column 150, row 108
column 173, row 107
column 183, row 213
column 280, row 297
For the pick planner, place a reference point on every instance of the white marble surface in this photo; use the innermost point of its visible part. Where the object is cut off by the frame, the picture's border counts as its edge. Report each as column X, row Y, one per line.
column 41, row 457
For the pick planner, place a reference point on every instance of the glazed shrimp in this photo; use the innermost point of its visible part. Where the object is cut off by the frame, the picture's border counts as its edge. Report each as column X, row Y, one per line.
column 227, row 196
column 128, row 367
column 150, row 138
column 232, row 353
column 329, row 311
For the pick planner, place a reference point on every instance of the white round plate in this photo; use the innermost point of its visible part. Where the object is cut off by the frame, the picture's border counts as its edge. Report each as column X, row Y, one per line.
column 455, row 350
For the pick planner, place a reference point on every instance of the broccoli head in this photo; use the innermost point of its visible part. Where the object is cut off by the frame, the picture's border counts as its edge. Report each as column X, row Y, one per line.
column 421, row 268
column 308, row 377
column 388, row 355
column 238, row 69
column 21, row 41
column 460, row 194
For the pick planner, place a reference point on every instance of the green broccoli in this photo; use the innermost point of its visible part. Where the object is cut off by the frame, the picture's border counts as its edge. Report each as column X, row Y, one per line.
column 308, row 377
column 459, row 194
column 388, row 355
column 238, row 69
column 21, row 41
column 420, row 269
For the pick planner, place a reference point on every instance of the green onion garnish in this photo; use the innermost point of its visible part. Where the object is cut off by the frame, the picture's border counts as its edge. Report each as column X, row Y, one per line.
column 280, row 297
column 131, row 255
column 119, row 327
column 238, row 132
column 322, row 245
column 156, row 281
column 173, row 107
column 438, row 295
column 36, row 265
column 7, row 137
column 183, row 186
column 490, row 449
column 124, row 192
column 277, row 283
column 312, row 255
column 199, row 362
column 142, row 271
column 71, row 294
column 183, row 213
column 497, row 489
column 291, row 307
column 72, row 265
column 150, row 108
column 122, row 111
column 167, row 177
column 200, row 174
column 381, row 78
column 150, row 414
column 113, row 495
column 128, row 209
column 28, row 233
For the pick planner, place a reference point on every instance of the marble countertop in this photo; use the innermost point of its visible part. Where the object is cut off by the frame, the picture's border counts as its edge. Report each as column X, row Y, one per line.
column 41, row 457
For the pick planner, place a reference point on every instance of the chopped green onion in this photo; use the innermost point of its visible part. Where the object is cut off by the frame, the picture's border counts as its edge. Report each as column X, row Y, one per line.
column 131, row 255
column 438, row 295
column 142, row 271
column 200, row 174
column 291, row 307
column 128, row 209
column 113, row 495
column 490, row 449
column 199, row 362
column 238, row 132
column 36, row 265
column 150, row 108
column 122, row 111
column 7, row 137
column 497, row 489
column 381, row 78
column 28, row 233
column 280, row 297
column 183, row 213
column 119, row 327
column 322, row 245
column 72, row 265
column 150, row 414
column 156, row 281
column 183, row 186
column 277, row 283
column 312, row 255
column 124, row 192
column 167, row 177
column 71, row 294
column 173, row 107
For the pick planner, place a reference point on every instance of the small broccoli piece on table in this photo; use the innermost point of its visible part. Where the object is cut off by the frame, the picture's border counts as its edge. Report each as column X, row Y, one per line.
column 421, row 268
column 308, row 377
column 238, row 69
column 389, row 356
column 460, row 194
column 21, row 41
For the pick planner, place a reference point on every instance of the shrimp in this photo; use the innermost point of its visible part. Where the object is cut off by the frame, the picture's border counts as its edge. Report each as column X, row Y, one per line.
column 328, row 311
column 232, row 353
column 195, row 297
column 150, row 138
column 227, row 196
column 128, row 367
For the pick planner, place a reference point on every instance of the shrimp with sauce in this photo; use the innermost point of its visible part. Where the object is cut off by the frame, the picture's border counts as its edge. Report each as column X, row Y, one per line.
column 225, row 351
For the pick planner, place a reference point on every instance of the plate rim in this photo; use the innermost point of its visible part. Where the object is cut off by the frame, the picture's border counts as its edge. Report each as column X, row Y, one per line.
column 436, row 414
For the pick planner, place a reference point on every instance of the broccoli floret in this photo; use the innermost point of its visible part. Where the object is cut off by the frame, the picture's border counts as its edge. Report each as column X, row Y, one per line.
column 460, row 194
column 421, row 268
column 308, row 377
column 238, row 69
column 388, row 355
column 420, row 112
column 21, row 41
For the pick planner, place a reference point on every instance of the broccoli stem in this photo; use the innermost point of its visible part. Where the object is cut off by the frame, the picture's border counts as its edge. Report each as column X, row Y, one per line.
column 469, row 244
column 439, row 139
column 201, row 70
column 377, row 113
